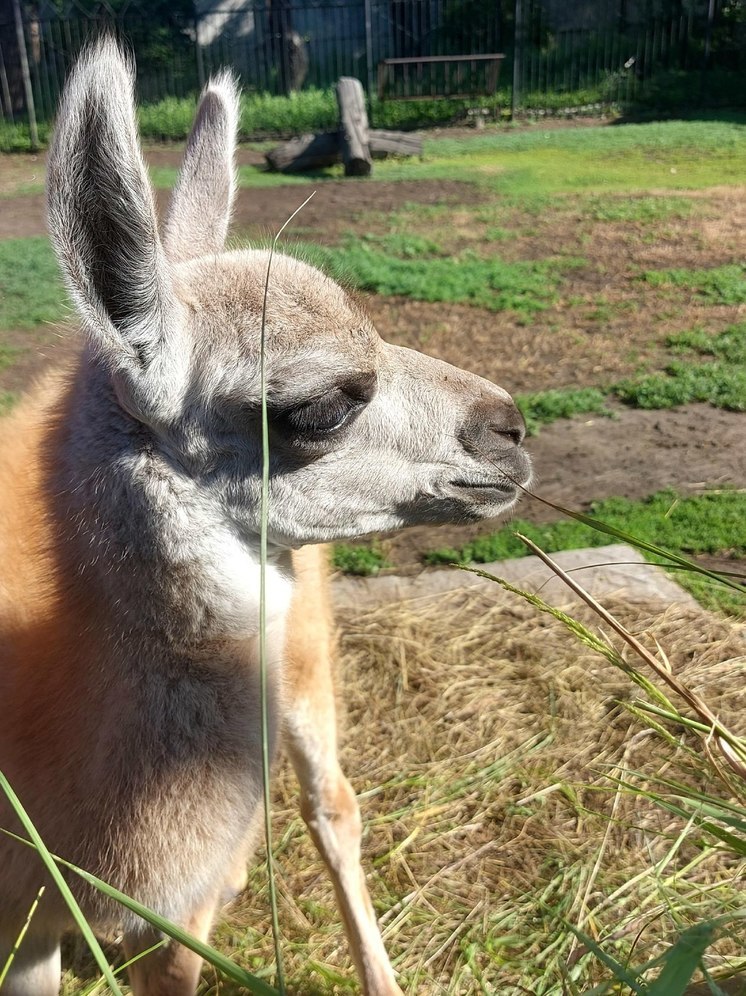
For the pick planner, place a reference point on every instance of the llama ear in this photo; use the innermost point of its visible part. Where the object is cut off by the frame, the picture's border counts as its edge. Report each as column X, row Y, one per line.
column 102, row 215
column 198, row 217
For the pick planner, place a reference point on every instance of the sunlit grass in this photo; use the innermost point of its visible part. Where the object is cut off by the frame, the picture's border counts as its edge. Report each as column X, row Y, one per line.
column 32, row 291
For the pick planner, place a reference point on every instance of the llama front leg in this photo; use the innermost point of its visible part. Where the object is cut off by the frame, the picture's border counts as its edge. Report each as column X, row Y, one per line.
column 330, row 809
column 328, row 804
column 172, row 969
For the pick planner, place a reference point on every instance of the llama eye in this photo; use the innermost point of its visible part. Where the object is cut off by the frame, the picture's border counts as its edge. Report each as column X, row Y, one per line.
column 322, row 415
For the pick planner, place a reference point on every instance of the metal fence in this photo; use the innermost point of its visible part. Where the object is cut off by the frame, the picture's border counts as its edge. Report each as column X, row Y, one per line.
column 584, row 50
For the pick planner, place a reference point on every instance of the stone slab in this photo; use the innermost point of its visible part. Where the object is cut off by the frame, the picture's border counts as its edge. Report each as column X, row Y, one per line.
column 606, row 570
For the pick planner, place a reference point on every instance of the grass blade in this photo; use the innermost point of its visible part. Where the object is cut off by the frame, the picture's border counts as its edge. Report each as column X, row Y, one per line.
column 263, row 606
column 56, row 875
column 21, row 934
column 620, row 973
column 674, row 560
column 682, row 961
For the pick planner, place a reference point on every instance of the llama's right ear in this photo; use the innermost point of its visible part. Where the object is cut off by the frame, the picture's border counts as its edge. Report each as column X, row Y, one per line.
column 103, row 222
column 200, row 210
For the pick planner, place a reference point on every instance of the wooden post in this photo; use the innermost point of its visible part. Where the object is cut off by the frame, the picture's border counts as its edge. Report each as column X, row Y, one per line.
column 354, row 127
column 369, row 47
column 30, row 108
column 517, row 54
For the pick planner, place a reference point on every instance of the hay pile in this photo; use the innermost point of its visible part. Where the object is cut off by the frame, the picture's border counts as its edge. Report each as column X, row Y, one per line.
column 486, row 744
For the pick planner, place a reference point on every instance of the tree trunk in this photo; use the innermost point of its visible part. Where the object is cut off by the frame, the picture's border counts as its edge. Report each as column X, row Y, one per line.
column 354, row 131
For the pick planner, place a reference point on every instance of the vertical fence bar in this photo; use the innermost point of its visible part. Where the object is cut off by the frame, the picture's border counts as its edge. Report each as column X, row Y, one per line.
column 515, row 102
column 22, row 55
column 369, row 52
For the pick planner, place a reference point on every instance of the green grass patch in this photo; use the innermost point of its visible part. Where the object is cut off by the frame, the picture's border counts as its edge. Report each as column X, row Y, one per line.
column 647, row 209
column 8, row 355
column 700, row 524
column 728, row 345
column 721, row 383
column 363, row 561
column 718, row 384
column 403, row 245
column 544, row 407
column 493, row 284
column 719, row 285
column 33, row 293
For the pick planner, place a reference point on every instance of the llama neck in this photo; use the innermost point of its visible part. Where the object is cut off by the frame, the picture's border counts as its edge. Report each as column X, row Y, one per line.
column 158, row 547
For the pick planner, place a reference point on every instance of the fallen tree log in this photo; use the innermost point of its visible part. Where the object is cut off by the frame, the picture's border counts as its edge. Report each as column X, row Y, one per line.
column 306, row 152
column 309, row 152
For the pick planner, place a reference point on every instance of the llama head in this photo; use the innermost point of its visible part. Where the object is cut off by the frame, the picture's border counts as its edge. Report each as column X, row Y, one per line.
column 364, row 436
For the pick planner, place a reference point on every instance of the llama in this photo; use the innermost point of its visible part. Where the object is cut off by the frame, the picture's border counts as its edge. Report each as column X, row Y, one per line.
column 130, row 493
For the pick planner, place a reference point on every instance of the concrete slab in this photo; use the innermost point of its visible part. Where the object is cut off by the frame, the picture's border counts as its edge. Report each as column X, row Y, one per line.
column 603, row 571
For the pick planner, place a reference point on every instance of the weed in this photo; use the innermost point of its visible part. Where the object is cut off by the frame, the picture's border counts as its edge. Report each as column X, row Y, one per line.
column 719, row 384
column 360, row 560
column 720, row 285
column 8, row 355
column 400, row 244
column 544, row 407
column 645, row 209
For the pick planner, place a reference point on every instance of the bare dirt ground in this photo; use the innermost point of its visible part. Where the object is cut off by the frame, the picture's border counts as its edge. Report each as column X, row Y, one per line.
column 601, row 330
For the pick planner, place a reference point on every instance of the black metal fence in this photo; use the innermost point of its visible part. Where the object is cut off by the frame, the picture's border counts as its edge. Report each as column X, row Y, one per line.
column 579, row 51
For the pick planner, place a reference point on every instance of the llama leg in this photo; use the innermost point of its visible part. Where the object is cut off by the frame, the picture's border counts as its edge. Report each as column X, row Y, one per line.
column 35, row 969
column 330, row 809
column 172, row 969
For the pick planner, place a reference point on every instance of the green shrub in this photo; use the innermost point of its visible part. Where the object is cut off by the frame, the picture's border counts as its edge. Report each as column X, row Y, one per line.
column 360, row 560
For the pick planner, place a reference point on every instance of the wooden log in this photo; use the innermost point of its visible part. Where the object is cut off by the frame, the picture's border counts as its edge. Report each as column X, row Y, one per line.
column 309, row 152
column 393, row 143
column 354, row 136
column 306, row 152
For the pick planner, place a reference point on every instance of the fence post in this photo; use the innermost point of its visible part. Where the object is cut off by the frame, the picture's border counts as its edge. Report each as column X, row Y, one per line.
column 369, row 50
column 198, row 53
column 517, row 56
column 29, row 93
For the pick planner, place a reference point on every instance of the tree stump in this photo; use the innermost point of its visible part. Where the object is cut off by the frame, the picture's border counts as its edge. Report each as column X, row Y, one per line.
column 354, row 137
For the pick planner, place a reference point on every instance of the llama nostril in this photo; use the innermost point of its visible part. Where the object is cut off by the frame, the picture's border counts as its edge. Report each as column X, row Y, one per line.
column 515, row 436
column 493, row 425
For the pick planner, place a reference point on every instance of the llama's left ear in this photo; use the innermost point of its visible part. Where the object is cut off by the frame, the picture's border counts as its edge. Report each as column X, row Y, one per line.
column 200, row 209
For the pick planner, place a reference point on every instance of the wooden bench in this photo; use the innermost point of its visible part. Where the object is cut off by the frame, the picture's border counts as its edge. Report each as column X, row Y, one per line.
column 433, row 77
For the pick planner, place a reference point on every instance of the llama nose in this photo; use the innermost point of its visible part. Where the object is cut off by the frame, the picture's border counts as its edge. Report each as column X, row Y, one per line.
column 492, row 426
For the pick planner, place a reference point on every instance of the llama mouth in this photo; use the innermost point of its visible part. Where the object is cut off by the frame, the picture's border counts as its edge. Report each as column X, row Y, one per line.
column 506, row 490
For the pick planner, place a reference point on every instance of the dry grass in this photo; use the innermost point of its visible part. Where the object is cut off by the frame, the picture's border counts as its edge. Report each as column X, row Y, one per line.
column 485, row 743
